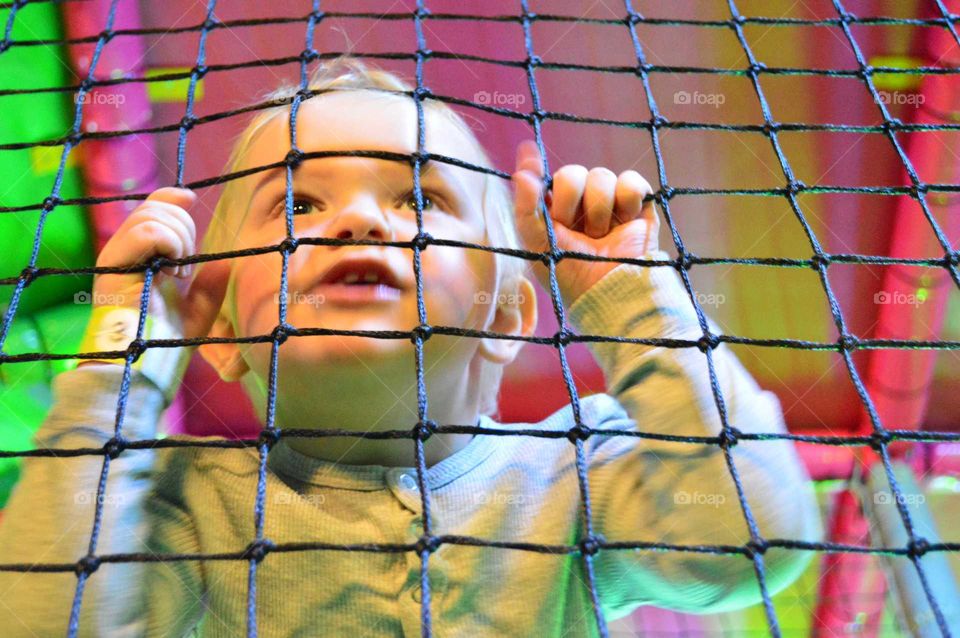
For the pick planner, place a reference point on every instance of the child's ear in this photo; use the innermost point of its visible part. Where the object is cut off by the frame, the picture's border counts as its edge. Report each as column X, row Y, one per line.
column 225, row 358
column 517, row 315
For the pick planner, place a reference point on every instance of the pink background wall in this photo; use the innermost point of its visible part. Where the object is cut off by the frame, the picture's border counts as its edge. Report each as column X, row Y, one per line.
column 751, row 301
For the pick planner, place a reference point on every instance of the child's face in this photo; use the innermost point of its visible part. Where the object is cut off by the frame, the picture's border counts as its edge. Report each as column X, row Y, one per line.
column 362, row 198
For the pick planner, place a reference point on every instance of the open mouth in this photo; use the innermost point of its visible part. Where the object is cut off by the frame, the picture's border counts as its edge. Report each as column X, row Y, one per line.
column 360, row 281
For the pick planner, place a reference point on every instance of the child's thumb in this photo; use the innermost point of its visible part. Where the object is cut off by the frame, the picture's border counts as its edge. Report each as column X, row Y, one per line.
column 527, row 200
column 182, row 197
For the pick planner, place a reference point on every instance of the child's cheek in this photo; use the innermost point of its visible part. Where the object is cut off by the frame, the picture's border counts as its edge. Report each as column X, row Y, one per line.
column 455, row 280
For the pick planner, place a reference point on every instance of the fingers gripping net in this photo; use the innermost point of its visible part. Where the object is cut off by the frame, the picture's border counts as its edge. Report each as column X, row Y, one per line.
column 590, row 543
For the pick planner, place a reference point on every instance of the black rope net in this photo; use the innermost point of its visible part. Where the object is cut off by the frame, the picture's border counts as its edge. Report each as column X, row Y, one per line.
column 630, row 19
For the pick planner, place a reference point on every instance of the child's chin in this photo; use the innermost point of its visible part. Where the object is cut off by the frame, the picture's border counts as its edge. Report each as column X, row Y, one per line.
column 348, row 351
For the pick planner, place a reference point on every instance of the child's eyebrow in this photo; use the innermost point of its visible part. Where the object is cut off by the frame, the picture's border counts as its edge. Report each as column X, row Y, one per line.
column 438, row 170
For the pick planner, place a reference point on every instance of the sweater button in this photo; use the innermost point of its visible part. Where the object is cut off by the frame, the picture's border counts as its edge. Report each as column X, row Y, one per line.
column 408, row 482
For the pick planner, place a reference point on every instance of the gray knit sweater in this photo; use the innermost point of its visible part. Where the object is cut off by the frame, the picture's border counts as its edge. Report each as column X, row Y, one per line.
column 505, row 489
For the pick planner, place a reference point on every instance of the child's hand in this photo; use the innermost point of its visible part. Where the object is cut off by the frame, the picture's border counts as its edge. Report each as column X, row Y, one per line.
column 594, row 212
column 160, row 226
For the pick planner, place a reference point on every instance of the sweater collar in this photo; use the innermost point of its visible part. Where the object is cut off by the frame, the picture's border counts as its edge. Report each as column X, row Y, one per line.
column 287, row 462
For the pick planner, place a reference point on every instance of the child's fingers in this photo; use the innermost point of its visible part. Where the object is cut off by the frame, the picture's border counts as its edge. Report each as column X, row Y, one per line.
column 568, row 185
column 133, row 241
column 182, row 197
column 528, row 158
column 629, row 205
column 598, row 200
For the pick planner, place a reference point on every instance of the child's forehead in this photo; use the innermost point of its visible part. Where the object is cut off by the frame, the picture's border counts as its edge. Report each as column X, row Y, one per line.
column 365, row 121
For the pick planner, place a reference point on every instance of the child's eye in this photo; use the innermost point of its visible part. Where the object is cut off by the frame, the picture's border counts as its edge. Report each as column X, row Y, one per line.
column 304, row 207
column 411, row 202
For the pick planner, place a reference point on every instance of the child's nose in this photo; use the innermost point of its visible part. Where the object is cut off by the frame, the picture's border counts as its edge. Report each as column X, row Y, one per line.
column 362, row 218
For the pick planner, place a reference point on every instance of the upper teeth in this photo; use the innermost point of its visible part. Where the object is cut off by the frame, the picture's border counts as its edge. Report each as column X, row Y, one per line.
column 354, row 277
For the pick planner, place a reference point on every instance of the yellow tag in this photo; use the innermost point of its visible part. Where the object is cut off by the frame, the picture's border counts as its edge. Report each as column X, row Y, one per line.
column 113, row 328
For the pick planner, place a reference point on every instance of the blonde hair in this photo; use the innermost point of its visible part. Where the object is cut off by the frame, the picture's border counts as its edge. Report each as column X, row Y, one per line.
column 351, row 74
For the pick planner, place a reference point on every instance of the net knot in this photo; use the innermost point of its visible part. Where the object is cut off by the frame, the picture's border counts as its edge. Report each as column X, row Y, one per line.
column 49, row 203
column 258, row 550
column 893, row 124
column 879, row 439
column 739, row 19
column 754, row 547
column 210, row 23
column 794, row 186
column 293, row 158
column 422, row 240
column 187, row 122
column 155, row 264
column 424, row 53
column 28, row 274
column 136, row 348
column 579, row 432
column 952, row 259
column 847, row 343
column 534, row 60
column 106, row 35
column 289, row 245
column 684, row 261
column 819, row 261
column 917, row 547
column 268, row 437
column 756, row 68
column 537, row 115
column 847, row 18
column 87, row 565
column 115, row 446
column 422, row 12
column 589, row 546
column 4, row 45
column 281, row 333
column 422, row 92
column 769, row 128
column 423, row 332
column 709, row 341
column 728, row 438
column 423, row 430
column 562, row 337
column 658, row 121
column 75, row 138
column 86, row 84
column 309, row 55
column 428, row 544
column 633, row 18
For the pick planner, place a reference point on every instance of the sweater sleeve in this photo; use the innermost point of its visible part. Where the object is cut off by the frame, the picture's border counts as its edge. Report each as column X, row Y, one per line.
column 647, row 490
column 50, row 517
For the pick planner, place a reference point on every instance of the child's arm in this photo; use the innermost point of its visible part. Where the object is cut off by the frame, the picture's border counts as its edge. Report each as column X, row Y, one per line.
column 678, row 493
column 50, row 516
column 659, row 491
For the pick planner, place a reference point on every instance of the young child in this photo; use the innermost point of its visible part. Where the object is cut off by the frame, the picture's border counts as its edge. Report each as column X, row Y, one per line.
column 365, row 492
